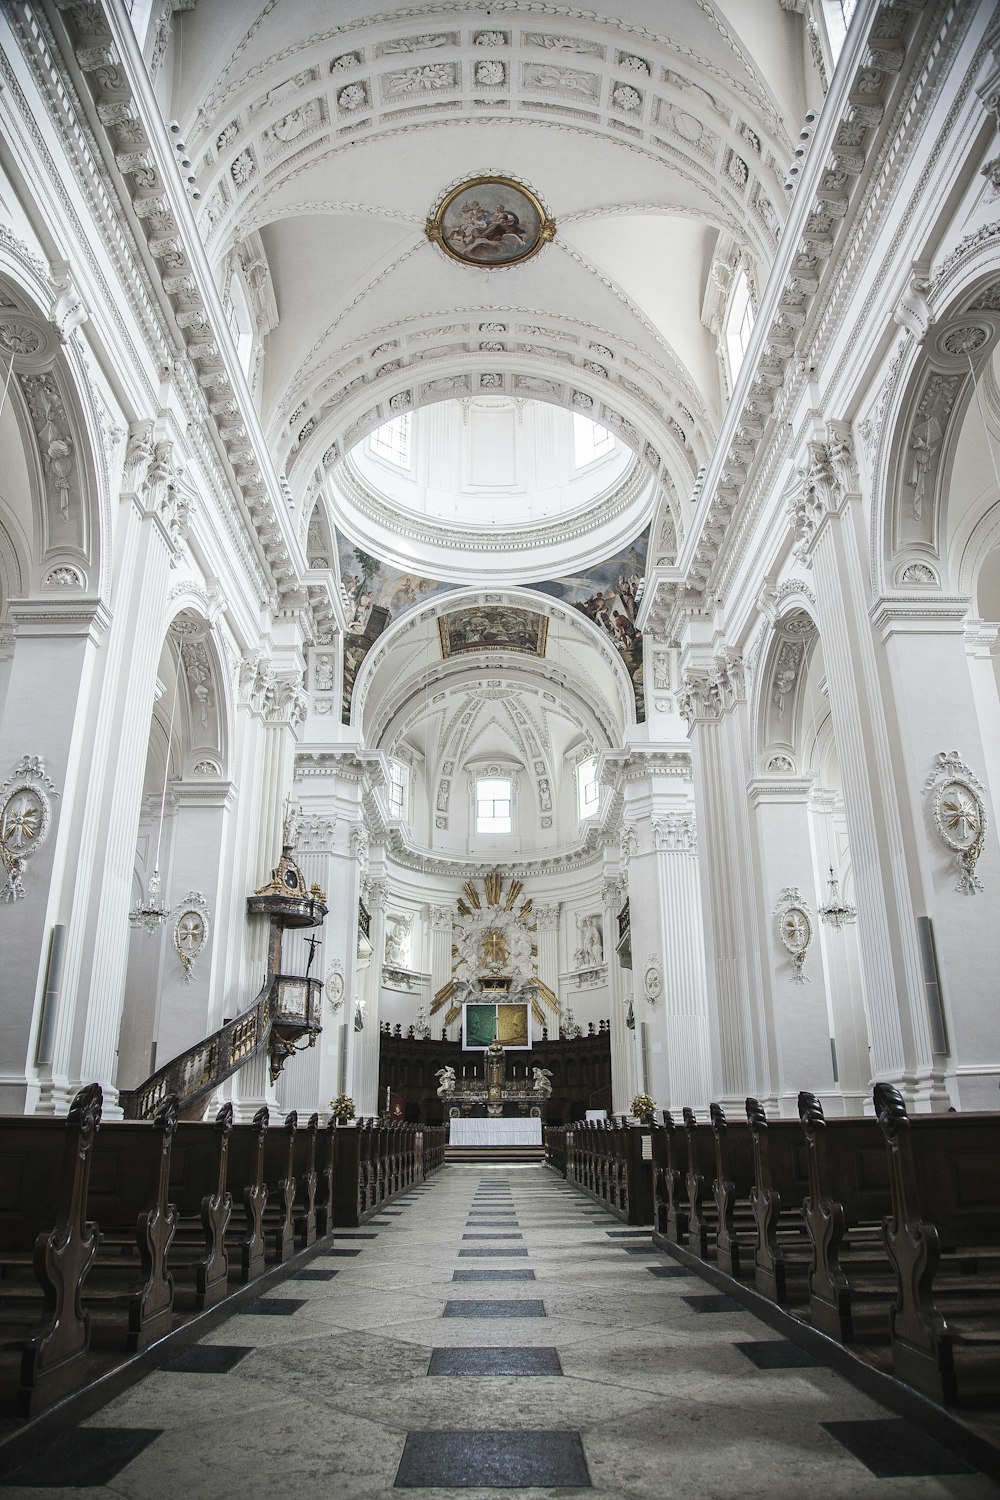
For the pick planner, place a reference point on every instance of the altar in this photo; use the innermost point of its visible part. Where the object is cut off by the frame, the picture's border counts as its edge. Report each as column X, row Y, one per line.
column 523, row 1131
column 494, row 1090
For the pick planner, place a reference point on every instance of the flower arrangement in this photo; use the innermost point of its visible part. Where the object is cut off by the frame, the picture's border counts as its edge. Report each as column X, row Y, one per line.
column 643, row 1106
column 342, row 1108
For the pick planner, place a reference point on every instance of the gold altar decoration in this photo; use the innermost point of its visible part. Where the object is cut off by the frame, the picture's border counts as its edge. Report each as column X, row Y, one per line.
column 494, row 949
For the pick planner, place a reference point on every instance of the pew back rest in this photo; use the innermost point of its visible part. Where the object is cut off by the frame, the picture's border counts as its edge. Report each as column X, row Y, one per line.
column 956, row 1159
column 788, row 1161
column 31, row 1162
column 852, row 1168
column 126, row 1170
column 194, row 1166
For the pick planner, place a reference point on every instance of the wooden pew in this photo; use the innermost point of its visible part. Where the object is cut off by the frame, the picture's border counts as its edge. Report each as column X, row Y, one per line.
column 781, row 1182
column 305, row 1183
column 851, row 1284
column 701, row 1209
column 199, row 1176
column 734, row 1182
column 943, row 1237
column 279, row 1175
column 45, row 1235
column 669, row 1172
column 324, row 1179
column 129, row 1182
column 249, row 1192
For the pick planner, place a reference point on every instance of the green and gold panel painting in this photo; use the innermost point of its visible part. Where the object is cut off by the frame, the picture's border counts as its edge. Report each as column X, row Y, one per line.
column 512, row 1025
column 480, row 1025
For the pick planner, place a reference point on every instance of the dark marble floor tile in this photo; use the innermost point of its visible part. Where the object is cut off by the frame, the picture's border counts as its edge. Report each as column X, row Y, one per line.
column 344, row 1250
column 714, row 1302
column 492, row 1460
column 628, row 1234
column 355, row 1234
column 779, row 1354
column 273, row 1307
column 392, row 1213
column 492, row 1254
column 206, row 1359
column 314, row 1273
column 82, row 1458
column 491, row 1361
column 893, row 1448
column 498, row 1236
column 521, row 1307
column 521, row 1273
column 668, row 1271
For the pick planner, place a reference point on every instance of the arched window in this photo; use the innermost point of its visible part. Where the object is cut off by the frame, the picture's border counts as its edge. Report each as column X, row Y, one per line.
column 391, row 441
column 739, row 324
column 588, row 790
column 590, row 441
column 493, row 805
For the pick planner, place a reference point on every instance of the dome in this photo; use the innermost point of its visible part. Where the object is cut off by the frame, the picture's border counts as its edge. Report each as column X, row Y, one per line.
column 506, row 487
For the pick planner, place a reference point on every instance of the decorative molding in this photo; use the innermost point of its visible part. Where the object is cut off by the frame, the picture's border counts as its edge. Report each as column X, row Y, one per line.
column 190, row 933
column 958, row 808
column 795, row 928
column 25, row 821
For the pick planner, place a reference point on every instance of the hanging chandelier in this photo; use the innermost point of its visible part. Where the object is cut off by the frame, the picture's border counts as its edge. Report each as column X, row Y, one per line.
column 836, row 911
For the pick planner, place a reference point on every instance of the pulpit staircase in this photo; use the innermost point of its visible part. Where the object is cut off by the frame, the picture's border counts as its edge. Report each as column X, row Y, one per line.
column 285, row 1015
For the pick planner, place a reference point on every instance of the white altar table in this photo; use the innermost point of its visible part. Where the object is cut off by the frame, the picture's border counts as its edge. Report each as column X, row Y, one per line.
column 487, row 1132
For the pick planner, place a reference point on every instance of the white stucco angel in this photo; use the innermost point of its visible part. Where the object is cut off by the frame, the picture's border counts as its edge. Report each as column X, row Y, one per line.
column 446, row 1081
column 542, row 1081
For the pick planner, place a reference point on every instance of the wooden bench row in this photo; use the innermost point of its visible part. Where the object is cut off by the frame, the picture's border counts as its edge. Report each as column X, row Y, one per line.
column 111, row 1234
column 881, row 1229
column 376, row 1161
column 610, row 1160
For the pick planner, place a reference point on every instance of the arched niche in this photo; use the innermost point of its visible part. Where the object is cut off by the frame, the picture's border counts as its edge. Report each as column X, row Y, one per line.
column 54, row 452
column 778, row 691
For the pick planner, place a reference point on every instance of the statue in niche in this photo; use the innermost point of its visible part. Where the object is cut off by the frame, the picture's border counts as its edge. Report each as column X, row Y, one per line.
column 590, row 950
column 542, row 1081
column 397, row 941
column 324, row 674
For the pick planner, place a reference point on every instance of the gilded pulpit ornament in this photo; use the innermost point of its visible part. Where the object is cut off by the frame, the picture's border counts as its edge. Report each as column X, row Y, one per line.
column 490, row 221
column 958, row 808
column 795, row 930
column 25, row 819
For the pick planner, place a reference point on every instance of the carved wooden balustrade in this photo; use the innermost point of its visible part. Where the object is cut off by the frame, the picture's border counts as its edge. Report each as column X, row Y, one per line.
column 287, row 1009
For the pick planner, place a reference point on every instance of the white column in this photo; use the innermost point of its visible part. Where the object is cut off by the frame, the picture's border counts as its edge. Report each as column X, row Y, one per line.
column 936, row 711
column 668, row 957
column 614, row 893
column 48, row 708
column 364, row 1062
column 714, row 704
column 441, row 962
column 799, row 1007
column 152, row 529
column 282, row 707
column 833, row 536
column 547, row 960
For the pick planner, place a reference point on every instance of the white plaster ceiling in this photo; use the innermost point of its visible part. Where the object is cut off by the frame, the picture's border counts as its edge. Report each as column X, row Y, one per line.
column 645, row 133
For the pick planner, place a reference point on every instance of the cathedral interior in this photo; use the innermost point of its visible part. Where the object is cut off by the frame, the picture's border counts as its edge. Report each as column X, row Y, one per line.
column 500, row 661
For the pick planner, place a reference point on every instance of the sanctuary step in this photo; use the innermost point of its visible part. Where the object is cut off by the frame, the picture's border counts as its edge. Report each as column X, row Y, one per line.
column 499, row 1153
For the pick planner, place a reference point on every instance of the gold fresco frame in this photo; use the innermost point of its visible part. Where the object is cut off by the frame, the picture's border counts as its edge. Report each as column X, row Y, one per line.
column 434, row 228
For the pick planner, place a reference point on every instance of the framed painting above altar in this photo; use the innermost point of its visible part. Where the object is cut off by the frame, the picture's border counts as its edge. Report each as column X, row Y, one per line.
column 508, row 1021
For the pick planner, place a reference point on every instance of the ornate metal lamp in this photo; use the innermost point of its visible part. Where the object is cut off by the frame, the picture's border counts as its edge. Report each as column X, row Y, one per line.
column 836, row 911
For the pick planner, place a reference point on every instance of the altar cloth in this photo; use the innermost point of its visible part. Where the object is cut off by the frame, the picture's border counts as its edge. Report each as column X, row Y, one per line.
column 487, row 1132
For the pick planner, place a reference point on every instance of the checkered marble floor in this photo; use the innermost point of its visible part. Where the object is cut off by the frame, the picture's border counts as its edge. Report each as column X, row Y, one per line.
column 495, row 1335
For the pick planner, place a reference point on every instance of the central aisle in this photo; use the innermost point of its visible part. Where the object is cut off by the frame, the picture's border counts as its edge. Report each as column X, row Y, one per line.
column 496, row 1328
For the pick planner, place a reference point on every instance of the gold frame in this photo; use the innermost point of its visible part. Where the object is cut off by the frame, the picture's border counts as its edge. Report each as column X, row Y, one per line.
column 434, row 227
column 537, row 651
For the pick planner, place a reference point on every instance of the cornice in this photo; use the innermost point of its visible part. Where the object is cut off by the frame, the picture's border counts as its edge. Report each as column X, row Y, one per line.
column 919, row 614
column 351, row 491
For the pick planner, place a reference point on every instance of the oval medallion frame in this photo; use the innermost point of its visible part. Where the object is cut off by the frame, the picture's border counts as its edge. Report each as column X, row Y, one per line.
column 490, row 222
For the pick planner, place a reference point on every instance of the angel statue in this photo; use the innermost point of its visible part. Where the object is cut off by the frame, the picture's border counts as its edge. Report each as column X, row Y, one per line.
column 446, row 1081
column 542, row 1081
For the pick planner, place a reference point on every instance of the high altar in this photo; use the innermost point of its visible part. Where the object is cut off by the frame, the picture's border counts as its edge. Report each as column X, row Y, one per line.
column 494, row 1089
